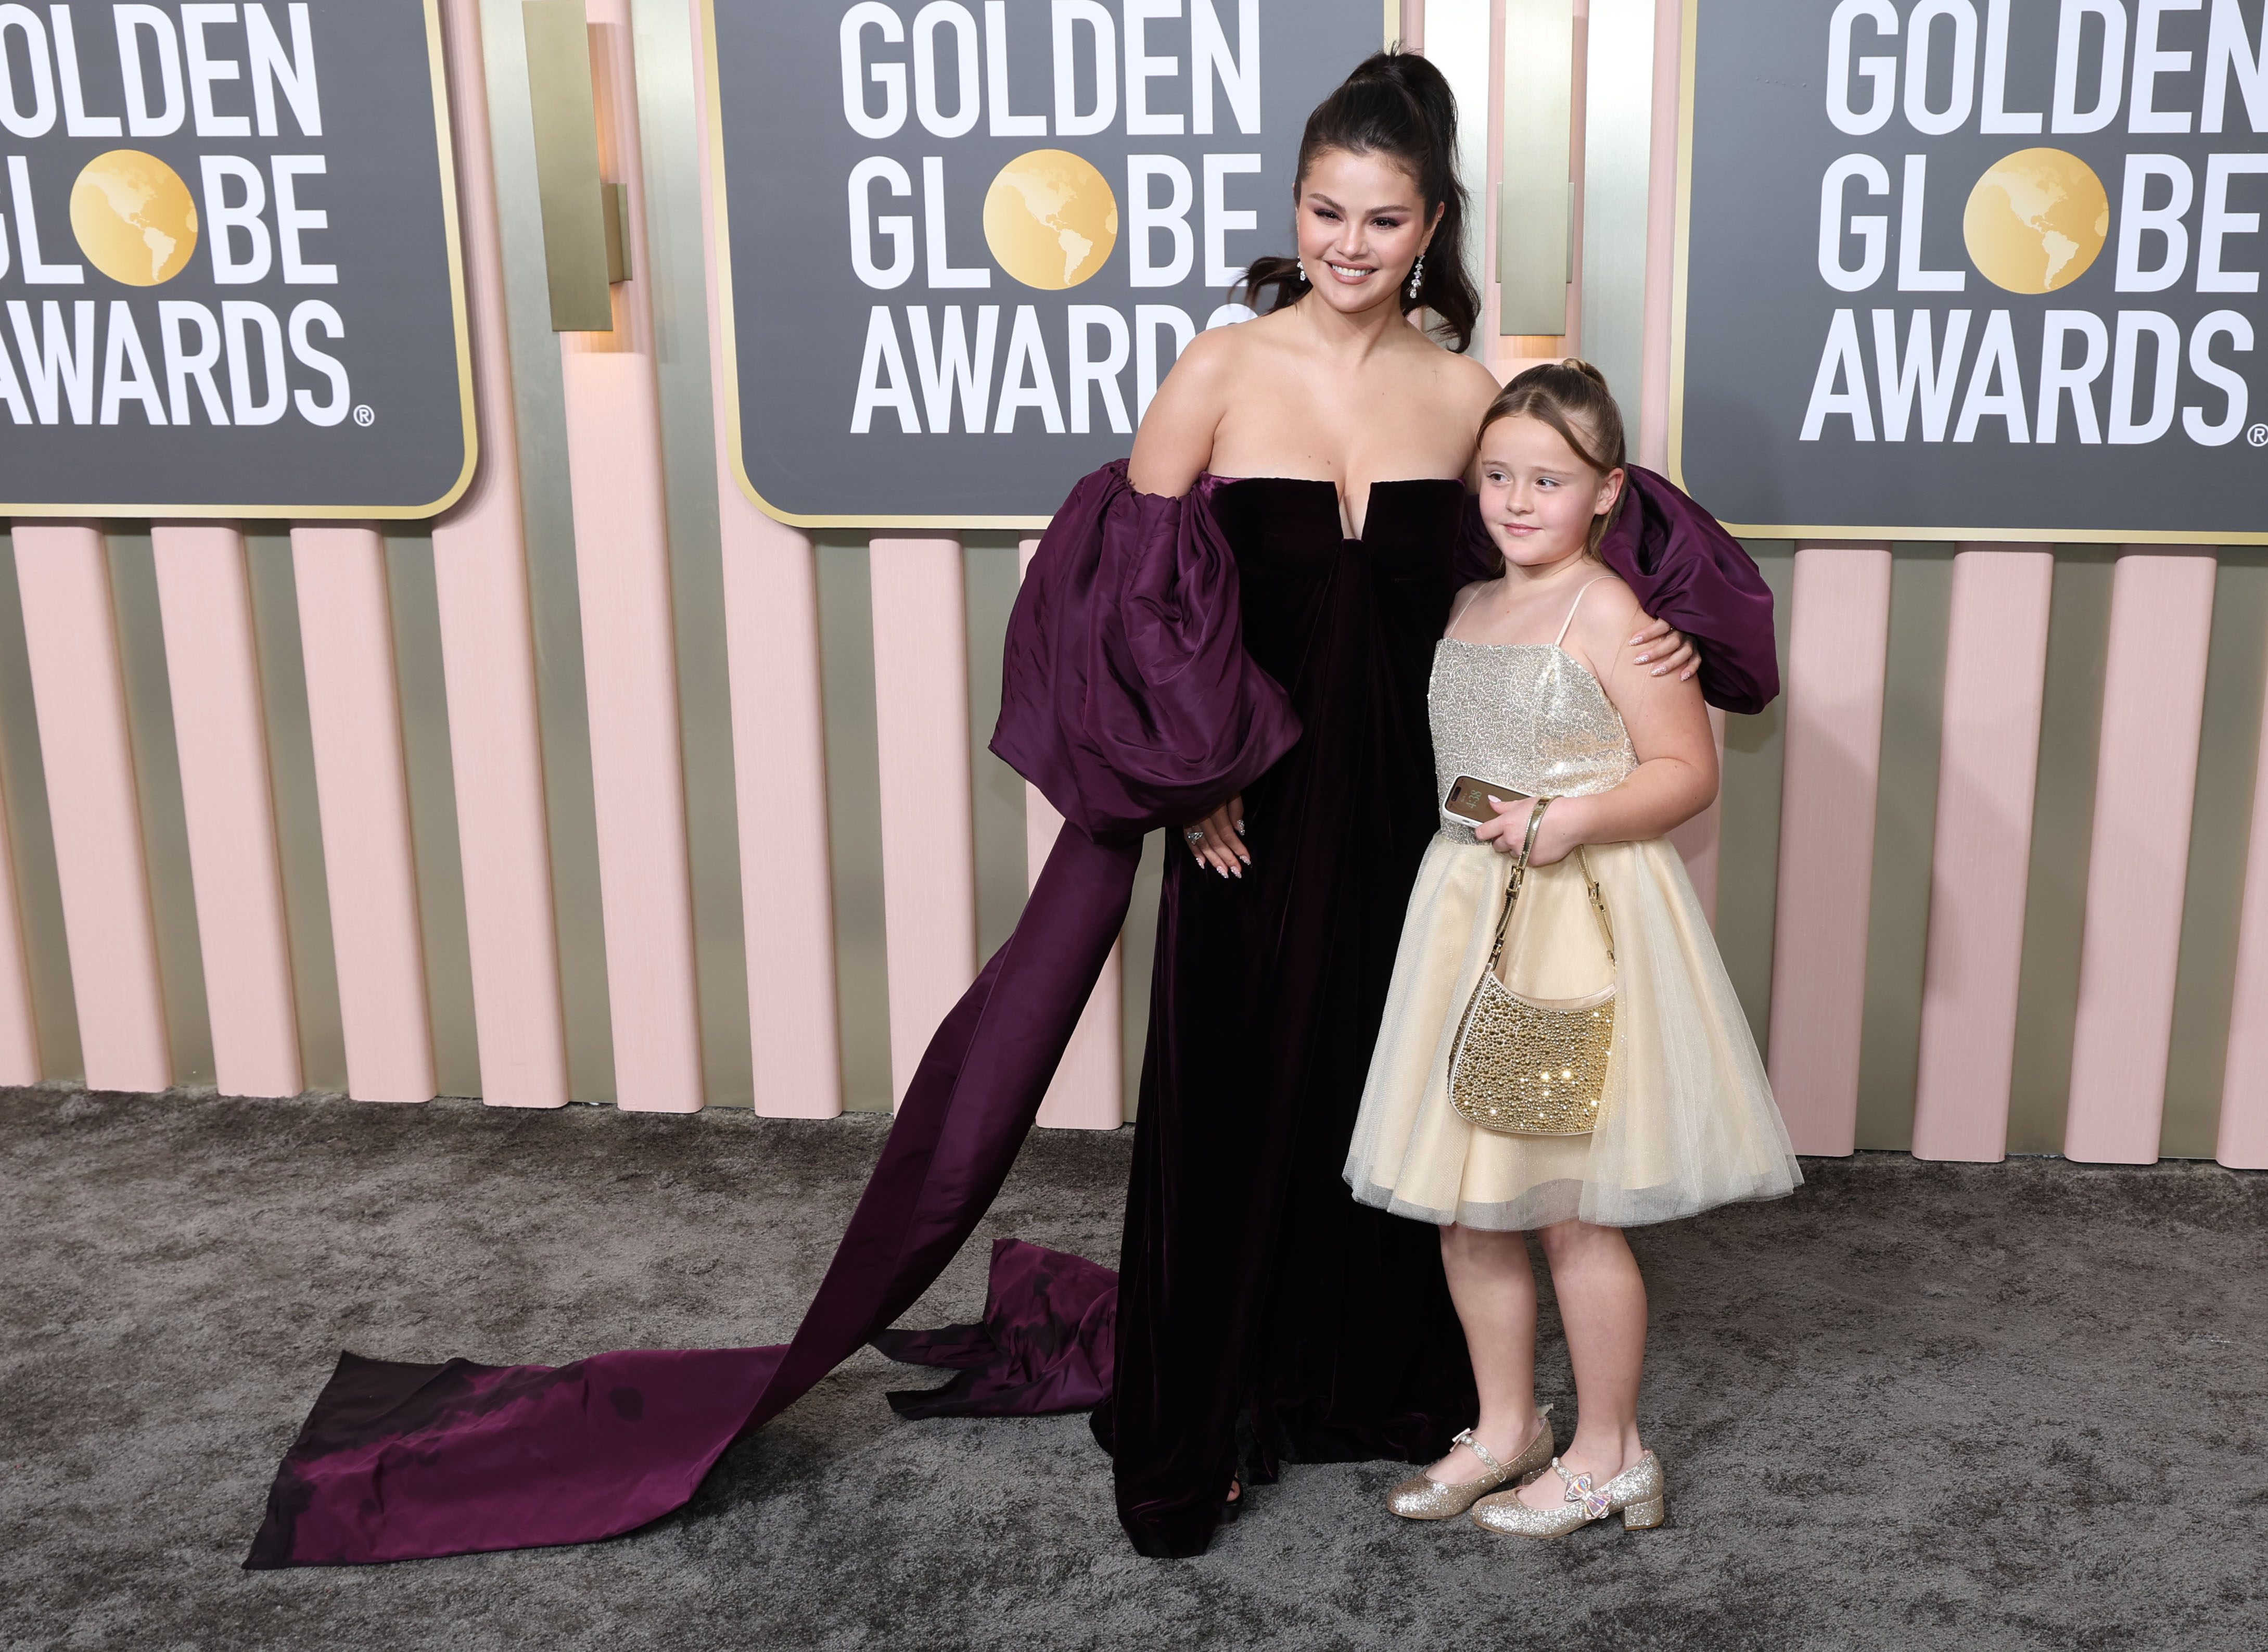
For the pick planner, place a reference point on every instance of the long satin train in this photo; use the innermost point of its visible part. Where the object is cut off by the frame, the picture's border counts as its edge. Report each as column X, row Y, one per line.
column 399, row 1461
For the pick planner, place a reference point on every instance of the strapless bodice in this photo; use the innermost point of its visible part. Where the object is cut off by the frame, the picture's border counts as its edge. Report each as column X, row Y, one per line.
column 1530, row 715
column 1305, row 510
column 1347, row 625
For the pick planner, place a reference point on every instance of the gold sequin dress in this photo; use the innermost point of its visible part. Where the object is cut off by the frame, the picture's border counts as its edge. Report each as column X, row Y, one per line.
column 1688, row 1121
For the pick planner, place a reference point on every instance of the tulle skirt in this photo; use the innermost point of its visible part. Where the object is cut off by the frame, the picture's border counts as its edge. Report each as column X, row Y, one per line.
column 1687, row 1121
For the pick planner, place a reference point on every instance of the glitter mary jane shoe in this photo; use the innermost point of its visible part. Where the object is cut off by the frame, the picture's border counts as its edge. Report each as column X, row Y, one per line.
column 1638, row 1494
column 1420, row 1498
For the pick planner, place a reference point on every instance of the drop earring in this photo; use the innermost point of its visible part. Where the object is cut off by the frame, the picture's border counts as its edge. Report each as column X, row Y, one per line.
column 1417, row 276
column 1304, row 281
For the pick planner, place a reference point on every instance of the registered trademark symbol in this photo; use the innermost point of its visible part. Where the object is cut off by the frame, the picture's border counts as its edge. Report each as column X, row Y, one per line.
column 2258, row 435
column 365, row 418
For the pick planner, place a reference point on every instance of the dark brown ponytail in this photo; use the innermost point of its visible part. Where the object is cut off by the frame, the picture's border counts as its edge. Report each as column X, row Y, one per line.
column 1399, row 106
column 1573, row 398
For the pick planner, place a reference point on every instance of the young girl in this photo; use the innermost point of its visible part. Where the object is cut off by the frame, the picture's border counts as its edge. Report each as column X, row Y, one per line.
column 1532, row 693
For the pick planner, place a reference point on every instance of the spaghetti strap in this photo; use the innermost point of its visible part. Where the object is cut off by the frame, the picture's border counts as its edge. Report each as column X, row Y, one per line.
column 1572, row 606
column 1474, row 597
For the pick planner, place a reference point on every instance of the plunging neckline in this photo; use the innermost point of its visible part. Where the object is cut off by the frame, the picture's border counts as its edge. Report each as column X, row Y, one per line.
column 1362, row 534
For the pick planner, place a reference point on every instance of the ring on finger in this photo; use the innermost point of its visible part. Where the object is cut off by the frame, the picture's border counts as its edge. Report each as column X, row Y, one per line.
column 1193, row 836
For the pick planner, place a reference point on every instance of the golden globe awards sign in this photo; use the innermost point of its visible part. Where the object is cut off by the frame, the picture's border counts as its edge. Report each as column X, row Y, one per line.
column 1976, row 269
column 963, row 242
column 229, row 278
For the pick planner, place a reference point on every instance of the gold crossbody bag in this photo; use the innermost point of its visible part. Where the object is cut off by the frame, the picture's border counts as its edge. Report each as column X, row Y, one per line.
column 1530, row 1067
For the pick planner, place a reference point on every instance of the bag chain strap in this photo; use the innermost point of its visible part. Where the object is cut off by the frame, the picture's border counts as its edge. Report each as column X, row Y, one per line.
column 1519, row 874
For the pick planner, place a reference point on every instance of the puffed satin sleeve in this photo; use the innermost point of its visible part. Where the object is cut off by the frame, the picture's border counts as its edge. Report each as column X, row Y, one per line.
column 1126, row 695
column 1686, row 569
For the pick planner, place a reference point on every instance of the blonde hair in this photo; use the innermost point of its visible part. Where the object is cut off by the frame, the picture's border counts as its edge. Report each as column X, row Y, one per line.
column 1573, row 398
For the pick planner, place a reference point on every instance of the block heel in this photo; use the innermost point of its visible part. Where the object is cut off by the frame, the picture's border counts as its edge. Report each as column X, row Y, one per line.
column 1645, row 1515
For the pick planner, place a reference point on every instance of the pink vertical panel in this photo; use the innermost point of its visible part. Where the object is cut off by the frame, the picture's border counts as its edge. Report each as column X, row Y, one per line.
column 630, row 651
column 2137, row 866
column 772, row 641
column 362, row 793
column 1838, row 649
column 1660, row 237
column 779, row 753
column 2242, row 1144
column 1412, row 33
column 87, row 747
column 221, row 732
column 1996, row 659
column 19, row 1033
column 1089, row 1092
column 488, row 657
column 929, row 831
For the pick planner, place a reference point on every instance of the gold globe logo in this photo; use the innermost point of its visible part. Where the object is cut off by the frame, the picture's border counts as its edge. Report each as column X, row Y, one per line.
column 2037, row 220
column 1050, row 219
column 134, row 218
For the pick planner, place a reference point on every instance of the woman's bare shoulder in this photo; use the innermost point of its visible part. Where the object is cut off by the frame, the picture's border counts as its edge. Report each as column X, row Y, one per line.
column 1470, row 378
column 1175, row 443
column 1458, row 377
column 1208, row 358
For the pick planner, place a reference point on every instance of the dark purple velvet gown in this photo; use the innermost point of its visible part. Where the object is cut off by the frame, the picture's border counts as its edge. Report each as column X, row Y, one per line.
column 1250, row 1284
column 1154, row 661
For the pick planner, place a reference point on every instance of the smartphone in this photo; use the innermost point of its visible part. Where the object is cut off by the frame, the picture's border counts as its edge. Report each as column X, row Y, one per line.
column 1468, row 799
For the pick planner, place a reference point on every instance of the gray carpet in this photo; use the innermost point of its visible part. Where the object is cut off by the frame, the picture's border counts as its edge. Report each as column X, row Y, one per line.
column 1914, row 1406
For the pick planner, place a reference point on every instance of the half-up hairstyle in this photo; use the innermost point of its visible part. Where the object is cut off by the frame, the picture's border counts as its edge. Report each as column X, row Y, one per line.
column 1573, row 398
column 1398, row 106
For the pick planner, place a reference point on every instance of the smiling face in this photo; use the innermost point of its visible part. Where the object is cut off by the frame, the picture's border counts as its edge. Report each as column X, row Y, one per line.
column 1538, row 495
column 1362, row 223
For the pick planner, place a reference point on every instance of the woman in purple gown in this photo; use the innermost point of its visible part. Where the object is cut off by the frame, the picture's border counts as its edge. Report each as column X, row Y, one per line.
column 1231, row 639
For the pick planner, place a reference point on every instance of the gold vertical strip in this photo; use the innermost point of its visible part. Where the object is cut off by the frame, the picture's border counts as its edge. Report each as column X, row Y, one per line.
column 554, row 597
column 1617, row 171
column 671, row 263
column 299, row 825
column 1905, row 835
column 1532, row 244
column 2220, row 833
column 2063, row 831
column 39, row 891
column 425, row 751
column 158, row 789
column 854, row 822
column 1747, row 865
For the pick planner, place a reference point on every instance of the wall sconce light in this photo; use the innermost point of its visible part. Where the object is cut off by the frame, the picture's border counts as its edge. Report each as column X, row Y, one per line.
column 587, row 238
